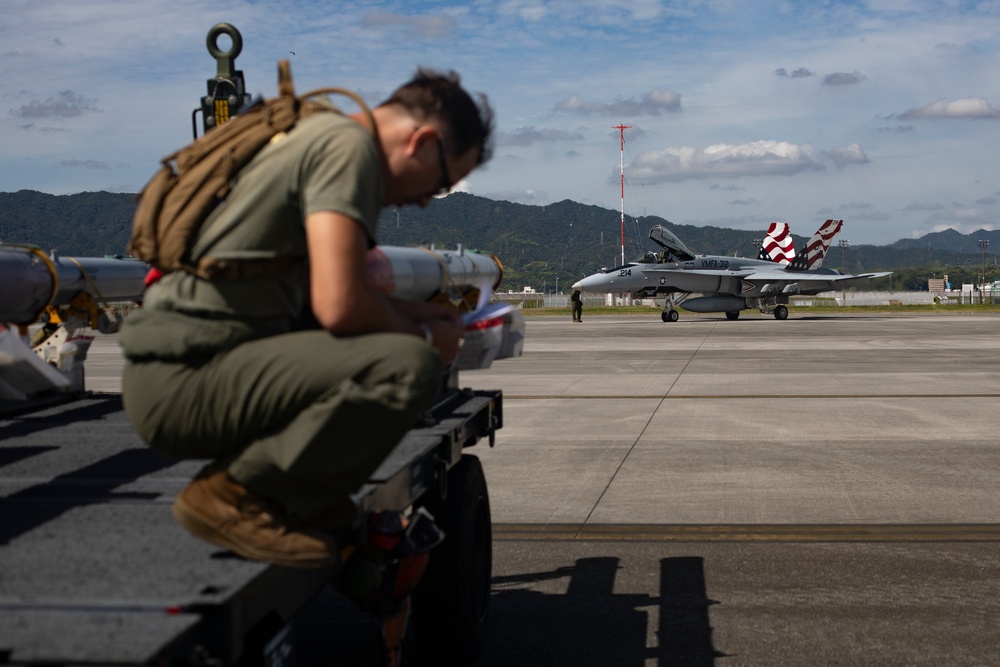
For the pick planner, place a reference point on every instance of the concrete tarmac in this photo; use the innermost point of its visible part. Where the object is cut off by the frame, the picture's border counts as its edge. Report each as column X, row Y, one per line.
column 816, row 491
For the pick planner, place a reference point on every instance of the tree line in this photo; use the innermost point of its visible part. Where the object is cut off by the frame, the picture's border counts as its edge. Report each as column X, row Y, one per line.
column 541, row 246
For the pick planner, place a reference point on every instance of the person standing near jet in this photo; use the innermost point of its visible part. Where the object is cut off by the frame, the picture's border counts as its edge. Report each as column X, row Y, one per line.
column 577, row 303
column 296, row 420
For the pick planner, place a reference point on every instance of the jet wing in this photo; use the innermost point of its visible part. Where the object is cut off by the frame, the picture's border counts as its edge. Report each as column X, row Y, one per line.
column 784, row 282
column 803, row 276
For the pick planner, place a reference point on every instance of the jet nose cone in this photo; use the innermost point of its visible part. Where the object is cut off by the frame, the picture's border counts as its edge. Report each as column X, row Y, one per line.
column 578, row 285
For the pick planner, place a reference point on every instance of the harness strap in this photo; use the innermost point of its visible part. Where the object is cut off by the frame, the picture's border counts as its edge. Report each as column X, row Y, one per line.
column 211, row 268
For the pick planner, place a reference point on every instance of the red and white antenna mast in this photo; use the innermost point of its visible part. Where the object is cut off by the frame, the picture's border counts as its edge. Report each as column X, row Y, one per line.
column 621, row 141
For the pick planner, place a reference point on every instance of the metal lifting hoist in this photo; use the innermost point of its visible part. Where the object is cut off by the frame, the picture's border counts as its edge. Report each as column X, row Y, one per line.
column 227, row 94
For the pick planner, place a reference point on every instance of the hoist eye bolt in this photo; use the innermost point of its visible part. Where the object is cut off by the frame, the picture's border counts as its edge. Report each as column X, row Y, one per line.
column 225, row 59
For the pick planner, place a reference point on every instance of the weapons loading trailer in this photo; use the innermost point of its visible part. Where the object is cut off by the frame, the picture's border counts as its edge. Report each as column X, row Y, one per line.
column 93, row 569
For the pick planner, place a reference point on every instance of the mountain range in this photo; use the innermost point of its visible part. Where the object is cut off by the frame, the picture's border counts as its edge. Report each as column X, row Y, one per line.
column 540, row 246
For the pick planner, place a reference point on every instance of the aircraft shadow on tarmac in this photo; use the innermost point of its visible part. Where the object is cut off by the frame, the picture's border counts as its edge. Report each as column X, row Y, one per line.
column 827, row 318
column 591, row 625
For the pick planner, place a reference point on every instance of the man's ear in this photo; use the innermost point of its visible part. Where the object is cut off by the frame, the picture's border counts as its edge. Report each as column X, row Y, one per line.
column 420, row 137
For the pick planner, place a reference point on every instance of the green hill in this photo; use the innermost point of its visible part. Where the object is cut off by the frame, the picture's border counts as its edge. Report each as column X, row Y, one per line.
column 86, row 224
column 537, row 244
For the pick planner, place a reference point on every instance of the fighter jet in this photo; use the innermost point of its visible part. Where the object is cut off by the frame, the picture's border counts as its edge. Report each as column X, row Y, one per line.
column 727, row 284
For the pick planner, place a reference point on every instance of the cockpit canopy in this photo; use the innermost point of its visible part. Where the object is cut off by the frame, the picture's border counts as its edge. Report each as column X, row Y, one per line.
column 674, row 248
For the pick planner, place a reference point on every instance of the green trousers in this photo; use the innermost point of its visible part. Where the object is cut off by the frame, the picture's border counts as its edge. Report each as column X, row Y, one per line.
column 303, row 418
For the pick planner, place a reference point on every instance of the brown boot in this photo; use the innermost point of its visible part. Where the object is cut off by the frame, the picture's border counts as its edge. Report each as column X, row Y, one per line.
column 220, row 510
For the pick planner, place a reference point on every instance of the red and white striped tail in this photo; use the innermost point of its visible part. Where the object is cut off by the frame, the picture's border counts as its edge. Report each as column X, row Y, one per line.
column 819, row 244
column 778, row 245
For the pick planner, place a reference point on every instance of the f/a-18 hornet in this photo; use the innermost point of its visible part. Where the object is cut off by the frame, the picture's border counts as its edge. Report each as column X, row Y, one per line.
column 728, row 284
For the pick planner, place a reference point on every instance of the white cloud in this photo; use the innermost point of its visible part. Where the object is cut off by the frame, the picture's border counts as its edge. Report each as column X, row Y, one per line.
column 959, row 227
column 924, row 206
column 528, row 10
column 969, row 107
column 84, row 164
column 845, row 155
column 843, row 78
column 461, row 186
column 653, row 103
column 426, row 26
column 526, row 136
column 963, row 220
column 800, row 73
column 725, row 160
column 66, row 104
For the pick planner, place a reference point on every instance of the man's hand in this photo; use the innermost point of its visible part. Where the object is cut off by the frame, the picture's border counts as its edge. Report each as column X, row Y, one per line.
column 346, row 305
column 447, row 335
column 444, row 322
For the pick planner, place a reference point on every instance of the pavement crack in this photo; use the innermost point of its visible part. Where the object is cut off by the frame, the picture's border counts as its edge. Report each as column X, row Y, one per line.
column 645, row 426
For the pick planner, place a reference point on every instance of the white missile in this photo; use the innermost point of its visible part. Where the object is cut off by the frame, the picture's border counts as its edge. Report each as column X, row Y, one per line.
column 465, row 279
column 33, row 280
column 420, row 274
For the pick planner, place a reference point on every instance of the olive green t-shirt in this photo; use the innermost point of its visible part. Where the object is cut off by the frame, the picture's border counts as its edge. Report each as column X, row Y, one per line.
column 328, row 162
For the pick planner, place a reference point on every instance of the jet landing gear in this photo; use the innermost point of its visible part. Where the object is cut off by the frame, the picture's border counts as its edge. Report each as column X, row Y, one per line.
column 780, row 311
column 669, row 313
column 732, row 314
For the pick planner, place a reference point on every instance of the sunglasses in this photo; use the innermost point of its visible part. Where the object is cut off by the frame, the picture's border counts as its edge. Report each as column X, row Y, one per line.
column 446, row 183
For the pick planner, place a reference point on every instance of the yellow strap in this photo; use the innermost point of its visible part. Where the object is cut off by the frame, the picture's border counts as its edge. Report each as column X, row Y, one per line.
column 90, row 281
column 97, row 292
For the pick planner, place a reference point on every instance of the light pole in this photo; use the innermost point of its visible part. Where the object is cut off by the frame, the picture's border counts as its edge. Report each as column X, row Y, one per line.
column 983, row 245
column 557, row 285
column 843, row 265
column 843, row 254
column 756, row 245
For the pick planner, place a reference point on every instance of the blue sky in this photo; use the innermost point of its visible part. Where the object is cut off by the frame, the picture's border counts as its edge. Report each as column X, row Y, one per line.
column 883, row 113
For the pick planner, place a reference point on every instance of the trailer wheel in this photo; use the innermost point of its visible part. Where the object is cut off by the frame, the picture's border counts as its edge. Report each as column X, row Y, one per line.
column 451, row 606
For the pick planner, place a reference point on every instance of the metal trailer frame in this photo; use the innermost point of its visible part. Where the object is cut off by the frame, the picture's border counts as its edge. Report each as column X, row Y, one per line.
column 159, row 598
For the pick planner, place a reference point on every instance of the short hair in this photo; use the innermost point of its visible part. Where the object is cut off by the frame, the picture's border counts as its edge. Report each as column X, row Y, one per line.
column 467, row 122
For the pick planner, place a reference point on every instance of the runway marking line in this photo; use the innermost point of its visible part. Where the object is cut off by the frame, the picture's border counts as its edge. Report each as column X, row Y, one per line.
column 957, row 532
column 658, row 397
